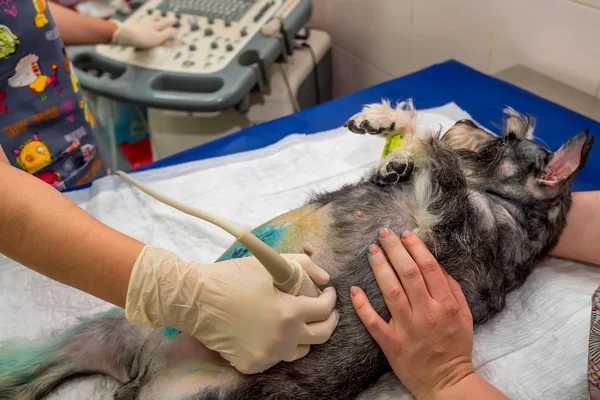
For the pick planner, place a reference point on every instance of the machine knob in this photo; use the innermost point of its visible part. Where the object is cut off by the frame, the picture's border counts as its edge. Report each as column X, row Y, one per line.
column 208, row 32
column 164, row 13
column 244, row 32
column 177, row 25
column 214, row 45
column 229, row 47
column 211, row 20
column 149, row 11
column 194, row 27
column 192, row 47
column 227, row 22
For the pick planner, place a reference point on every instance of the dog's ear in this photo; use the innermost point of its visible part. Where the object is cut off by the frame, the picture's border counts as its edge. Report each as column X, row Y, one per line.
column 466, row 135
column 517, row 125
column 568, row 160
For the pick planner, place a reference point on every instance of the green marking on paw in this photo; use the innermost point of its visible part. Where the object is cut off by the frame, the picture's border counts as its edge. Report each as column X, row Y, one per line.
column 392, row 142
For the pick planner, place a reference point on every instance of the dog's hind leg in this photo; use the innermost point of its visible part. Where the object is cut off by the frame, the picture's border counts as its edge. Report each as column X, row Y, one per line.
column 104, row 345
column 176, row 366
column 382, row 118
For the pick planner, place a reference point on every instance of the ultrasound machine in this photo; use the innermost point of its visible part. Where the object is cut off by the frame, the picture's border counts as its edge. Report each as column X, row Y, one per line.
column 220, row 54
column 224, row 54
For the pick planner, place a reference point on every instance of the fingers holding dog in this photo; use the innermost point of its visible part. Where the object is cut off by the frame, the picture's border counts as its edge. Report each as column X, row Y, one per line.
column 389, row 284
column 433, row 274
column 408, row 271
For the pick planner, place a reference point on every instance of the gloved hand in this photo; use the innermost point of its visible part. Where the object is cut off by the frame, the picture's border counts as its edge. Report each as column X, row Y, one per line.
column 232, row 307
column 145, row 33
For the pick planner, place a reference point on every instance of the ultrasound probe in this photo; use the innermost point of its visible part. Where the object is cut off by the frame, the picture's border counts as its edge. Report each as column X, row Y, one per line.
column 288, row 276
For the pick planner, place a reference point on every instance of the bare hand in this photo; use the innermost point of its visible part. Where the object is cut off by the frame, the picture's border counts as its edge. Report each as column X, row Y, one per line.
column 429, row 339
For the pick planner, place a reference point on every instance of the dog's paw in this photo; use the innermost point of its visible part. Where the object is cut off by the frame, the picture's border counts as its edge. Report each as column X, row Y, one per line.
column 394, row 170
column 381, row 118
column 374, row 119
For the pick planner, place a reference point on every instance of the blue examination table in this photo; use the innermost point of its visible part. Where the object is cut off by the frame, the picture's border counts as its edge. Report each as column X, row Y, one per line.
column 480, row 95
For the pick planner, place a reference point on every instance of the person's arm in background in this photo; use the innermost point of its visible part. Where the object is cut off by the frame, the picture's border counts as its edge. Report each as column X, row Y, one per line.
column 429, row 339
column 580, row 240
column 80, row 29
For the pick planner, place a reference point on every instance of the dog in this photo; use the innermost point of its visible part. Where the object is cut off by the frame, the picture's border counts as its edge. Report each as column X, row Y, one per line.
column 488, row 207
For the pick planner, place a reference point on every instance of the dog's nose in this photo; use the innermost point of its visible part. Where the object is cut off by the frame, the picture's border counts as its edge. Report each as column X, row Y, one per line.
column 466, row 122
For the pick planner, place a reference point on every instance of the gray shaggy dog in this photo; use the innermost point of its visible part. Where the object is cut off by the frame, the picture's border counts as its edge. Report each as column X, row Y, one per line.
column 488, row 207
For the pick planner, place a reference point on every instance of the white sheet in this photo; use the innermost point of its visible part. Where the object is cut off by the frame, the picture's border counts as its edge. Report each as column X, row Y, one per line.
column 535, row 349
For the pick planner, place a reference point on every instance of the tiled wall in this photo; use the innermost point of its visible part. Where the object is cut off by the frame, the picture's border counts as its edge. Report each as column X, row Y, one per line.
column 376, row 40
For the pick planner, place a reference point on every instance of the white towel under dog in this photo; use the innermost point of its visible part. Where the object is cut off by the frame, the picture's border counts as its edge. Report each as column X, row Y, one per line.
column 535, row 349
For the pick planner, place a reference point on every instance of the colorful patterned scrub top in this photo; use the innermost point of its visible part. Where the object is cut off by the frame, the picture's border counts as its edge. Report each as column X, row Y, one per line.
column 47, row 128
column 594, row 349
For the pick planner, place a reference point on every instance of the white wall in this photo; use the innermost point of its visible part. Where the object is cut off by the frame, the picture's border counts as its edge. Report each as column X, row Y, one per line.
column 376, row 40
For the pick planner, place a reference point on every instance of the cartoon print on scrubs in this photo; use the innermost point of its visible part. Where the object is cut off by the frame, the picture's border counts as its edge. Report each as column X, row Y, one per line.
column 45, row 127
column 69, row 70
column 86, row 111
column 52, row 178
column 40, row 18
column 8, row 9
column 3, row 107
column 72, row 161
column 27, row 73
column 8, row 42
column 594, row 349
column 67, row 107
column 33, row 154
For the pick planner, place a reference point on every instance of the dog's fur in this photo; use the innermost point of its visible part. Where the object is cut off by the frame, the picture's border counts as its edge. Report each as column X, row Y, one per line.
column 488, row 207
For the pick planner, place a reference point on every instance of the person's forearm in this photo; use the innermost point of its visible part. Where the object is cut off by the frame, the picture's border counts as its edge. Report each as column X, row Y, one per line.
column 45, row 231
column 472, row 387
column 580, row 240
column 80, row 29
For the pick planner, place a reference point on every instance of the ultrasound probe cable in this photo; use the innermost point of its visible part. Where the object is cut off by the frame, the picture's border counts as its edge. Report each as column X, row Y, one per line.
column 288, row 276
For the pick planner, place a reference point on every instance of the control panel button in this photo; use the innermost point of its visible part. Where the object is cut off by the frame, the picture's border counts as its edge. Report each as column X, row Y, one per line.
column 227, row 22
column 214, row 45
column 208, row 32
column 211, row 20
column 188, row 63
column 194, row 27
column 244, row 32
column 192, row 47
column 178, row 15
column 229, row 47
column 164, row 13
column 149, row 11
column 177, row 25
